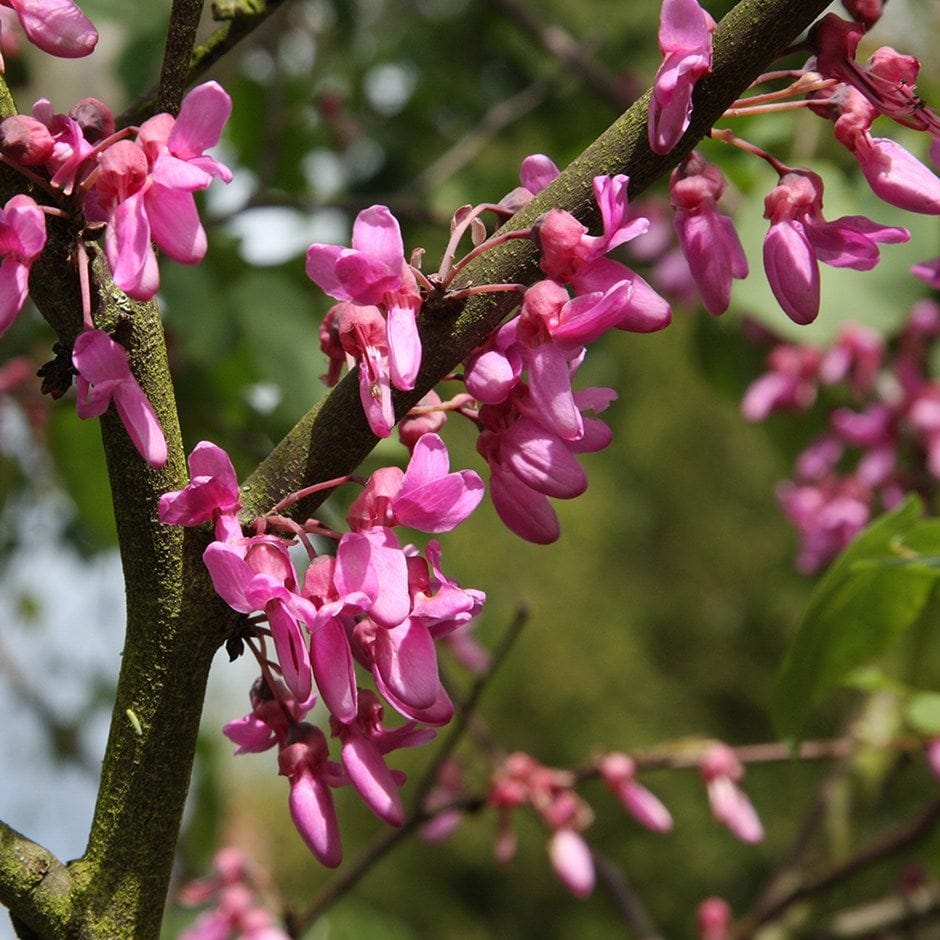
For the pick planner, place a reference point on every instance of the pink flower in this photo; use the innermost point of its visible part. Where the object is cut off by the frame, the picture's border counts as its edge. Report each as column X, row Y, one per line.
column 426, row 496
column 572, row 862
column 827, row 516
column 374, row 272
column 363, row 334
column 305, row 762
column 928, row 272
column 257, row 575
column 56, row 26
column 714, row 919
column 618, row 773
column 799, row 237
column 212, row 492
column 536, row 172
column 105, row 376
column 144, row 189
column 685, row 40
column 22, row 239
column 722, row 771
column 708, row 239
column 365, row 742
column 791, row 382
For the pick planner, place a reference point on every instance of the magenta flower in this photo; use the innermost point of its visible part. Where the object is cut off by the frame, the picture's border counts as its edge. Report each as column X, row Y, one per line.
column 305, row 762
column 257, row 575
column 104, row 376
column 369, row 270
column 144, row 189
column 22, row 239
column 179, row 166
column 685, row 40
column 56, row 26
column 708, row 239
column 364, row 336
column 799, row 237
column 536, row 172
column 373, row 272
column 714, row 919
column 365, row 743
column 431, row 498
column 211, row 494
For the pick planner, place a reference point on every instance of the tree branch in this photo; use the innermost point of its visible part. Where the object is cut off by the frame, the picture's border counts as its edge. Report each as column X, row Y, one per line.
column 33, row 883
column 180, row 39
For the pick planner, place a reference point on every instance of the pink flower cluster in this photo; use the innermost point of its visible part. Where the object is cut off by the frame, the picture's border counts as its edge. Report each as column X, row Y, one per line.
column 136, row 191
column 851, row 96
column 522, row 782
column 520, row 393
column 883, row 431
column 236, row 912
column 532, row 421
column 374, row 602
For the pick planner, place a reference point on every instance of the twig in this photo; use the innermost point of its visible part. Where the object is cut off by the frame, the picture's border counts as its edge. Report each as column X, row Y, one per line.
column 498, row 117
column 634, row 913
column 563, row 47
column 891, row 843
column 180, row 39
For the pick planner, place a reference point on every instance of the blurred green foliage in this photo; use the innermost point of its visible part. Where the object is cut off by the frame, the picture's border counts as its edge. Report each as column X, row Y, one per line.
column 665, row 609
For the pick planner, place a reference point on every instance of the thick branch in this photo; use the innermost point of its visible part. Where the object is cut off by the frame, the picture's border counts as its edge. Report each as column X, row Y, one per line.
column 333, row 438
column 33, row 882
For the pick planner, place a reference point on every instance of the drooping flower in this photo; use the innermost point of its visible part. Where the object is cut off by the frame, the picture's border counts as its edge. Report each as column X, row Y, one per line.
column 708, row 239
column 685, row 40
column 105, row 376
column 22, row 239
column 799, row 237
column 305, row 762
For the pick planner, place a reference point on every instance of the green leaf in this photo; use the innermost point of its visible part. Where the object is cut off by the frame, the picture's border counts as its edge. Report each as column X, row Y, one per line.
column 870, row 597
column 923, row 712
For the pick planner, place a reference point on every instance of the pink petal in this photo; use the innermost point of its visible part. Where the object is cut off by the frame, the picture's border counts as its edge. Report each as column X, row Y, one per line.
column 406, row 658
column 175, row 224
column 370, row 775
column 537, row 172
column 404, row 346
column 523, row 511
column 334, row 670
column 202, row 116
column 550, row 387
column 313, row 813
column 543, row 461
column 291, row 650
column 127, row 246
column 792, row 271
column 141, row 422
column 14, row 289
column 572, row 862
column 56, row 26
